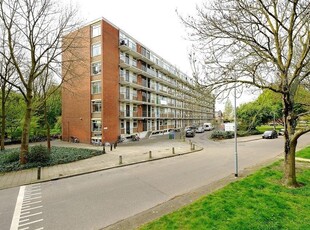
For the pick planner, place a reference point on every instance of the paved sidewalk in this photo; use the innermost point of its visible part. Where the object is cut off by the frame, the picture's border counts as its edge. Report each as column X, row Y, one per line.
column 131, row 153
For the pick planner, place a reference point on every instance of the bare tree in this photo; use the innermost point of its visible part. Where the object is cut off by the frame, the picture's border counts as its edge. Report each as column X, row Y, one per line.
column 44, row 88
column 6, row 74
column 34, row 37
column 260, row 43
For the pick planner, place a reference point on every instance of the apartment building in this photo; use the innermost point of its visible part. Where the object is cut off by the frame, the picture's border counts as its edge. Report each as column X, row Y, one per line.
column 123, row 88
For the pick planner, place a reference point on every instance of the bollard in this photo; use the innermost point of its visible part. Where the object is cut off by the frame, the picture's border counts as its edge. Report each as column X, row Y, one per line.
column 103, row 149
column 39, row 173
column 193, row 146
column 173, row 152
column 150, row 154
column 120, row 160
column 111, row 147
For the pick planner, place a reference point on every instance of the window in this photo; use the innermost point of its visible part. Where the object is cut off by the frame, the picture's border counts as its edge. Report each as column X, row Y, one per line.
column 96, row 30
column 135, row 124
column 96, row 125
column 134, row 108
column 96, row 68
column 96, row 87
column 96, row 106
column 96, row 49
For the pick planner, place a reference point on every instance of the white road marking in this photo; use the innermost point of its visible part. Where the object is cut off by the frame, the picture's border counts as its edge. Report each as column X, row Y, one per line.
column 28, row 199
column 27, row 209
column 34, row 198
column 18, row 208
column 32, row 222
column 30, row 203
column 34, row 214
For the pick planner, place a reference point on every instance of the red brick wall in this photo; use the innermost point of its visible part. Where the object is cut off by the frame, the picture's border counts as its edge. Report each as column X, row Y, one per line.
column 76, row 88
column 110, row 83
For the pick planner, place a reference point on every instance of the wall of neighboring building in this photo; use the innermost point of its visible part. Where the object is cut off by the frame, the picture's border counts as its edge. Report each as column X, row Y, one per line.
column 76, row 88
column 110, row 83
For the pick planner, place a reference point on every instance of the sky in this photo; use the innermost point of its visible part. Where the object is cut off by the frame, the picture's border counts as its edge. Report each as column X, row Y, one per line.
column 155, row 24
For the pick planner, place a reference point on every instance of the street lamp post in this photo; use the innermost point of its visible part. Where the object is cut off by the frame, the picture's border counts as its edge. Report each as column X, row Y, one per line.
column 235, row 131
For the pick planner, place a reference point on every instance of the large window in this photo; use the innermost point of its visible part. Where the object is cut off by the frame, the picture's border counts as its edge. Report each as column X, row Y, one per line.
column 96, row 106
column 96, row 30
column 96, row 68
column 96, row 87
column 96, row 125
column 96, row 49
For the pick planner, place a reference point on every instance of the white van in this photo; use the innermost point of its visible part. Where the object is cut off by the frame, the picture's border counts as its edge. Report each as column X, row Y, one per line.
column 208, row 126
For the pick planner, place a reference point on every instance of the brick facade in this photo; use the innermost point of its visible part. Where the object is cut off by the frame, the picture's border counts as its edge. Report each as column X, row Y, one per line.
column 134, row 92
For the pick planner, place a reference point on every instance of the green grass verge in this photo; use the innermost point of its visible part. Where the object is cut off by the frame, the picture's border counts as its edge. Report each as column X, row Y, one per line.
column 304, row 153
column 264, row 128
column 9, row 159
column 256, row 202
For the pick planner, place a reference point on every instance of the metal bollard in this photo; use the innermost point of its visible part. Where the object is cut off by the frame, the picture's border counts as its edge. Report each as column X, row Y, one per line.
column 150, row 154
column 120, row 159
column 103, row 149
column 173, row 151
column 111, row 147
column 39, row 173
column 193, row 146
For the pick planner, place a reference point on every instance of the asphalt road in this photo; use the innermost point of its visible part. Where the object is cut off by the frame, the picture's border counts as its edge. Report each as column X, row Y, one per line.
column 99, row 199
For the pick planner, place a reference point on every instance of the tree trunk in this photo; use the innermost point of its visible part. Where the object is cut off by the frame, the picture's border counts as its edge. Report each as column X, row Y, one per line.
column 3, row 116
column 290, row 142
column 48, row 128
column 24, row 149
column 290, row 169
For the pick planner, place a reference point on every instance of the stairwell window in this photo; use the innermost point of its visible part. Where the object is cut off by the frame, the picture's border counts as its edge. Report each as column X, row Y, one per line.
column 96, row 30
column 96, row 106
column 96, row 68
column 96, row 49
column 96, row 125
column 96, row 87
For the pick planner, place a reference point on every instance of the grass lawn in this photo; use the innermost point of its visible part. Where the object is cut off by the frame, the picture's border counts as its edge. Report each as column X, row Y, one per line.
column 304, row 153
column 256, row 202
column 264, row 128
column 9, row 159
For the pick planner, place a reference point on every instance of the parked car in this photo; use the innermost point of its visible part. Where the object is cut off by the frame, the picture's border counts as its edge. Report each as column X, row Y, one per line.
column 200, row 129
column 190, row 132
column 190, row 127
column 270, row 134
column 281, row 132
column 208, row 126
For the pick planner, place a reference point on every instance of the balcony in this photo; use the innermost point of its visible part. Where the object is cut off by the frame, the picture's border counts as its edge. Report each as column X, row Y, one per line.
column 148, row 72
column 129, row 47
column 127, row 81
column 129, row 64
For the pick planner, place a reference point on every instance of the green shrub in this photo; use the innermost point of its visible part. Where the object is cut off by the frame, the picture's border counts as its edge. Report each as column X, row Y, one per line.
column 229, row 134
column 11, row 157
column 38, row 153
column 38, row 156
column 220, row 134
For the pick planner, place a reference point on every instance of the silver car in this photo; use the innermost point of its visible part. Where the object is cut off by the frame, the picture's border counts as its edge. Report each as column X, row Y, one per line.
column 200, row 129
